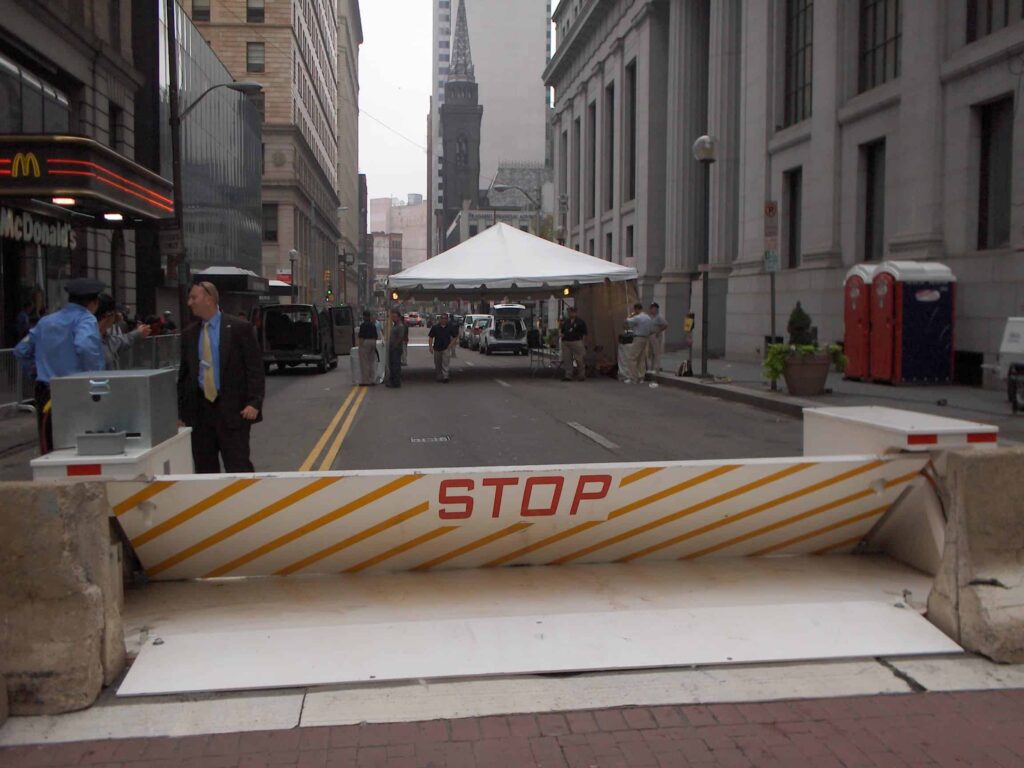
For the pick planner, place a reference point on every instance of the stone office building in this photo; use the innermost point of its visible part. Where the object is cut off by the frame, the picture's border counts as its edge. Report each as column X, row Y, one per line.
column 881, row 129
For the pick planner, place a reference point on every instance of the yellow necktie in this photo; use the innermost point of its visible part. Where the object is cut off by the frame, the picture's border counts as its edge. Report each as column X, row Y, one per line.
column 209, row 383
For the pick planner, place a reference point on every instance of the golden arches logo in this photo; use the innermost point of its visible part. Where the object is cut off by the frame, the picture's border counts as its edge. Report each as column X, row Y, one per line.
column 25, row 164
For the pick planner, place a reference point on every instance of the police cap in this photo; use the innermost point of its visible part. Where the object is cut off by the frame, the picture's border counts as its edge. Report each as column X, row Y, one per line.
column 84, row 286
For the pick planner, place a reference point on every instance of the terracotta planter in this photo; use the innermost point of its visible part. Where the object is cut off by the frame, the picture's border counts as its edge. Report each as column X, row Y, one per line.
column 806, row 374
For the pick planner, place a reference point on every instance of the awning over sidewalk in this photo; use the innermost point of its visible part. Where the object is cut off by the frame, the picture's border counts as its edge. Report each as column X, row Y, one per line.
column 504, row 260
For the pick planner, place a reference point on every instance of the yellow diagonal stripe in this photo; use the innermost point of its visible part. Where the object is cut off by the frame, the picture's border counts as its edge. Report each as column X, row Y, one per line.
column 798, row 518
column 211, row 501
column 821, row 531
column 241, row 525
column 678, row 488
column 313, row 525
column 355, row 539
column 332, row 454
column 839, row 545
column 755, row 510
column 496, row 536
column 411, row 544
column 311, row 459
column 640, row 475
column 682, row 513
column 151, row 490
column 541, row 544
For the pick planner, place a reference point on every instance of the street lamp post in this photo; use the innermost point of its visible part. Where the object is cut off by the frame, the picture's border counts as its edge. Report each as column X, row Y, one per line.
column 182, row 267
column 292, row 256
column 705, row 151
column 536, row 205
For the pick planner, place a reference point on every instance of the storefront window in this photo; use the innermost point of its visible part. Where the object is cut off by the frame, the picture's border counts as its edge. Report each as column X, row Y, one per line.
column 29, row 104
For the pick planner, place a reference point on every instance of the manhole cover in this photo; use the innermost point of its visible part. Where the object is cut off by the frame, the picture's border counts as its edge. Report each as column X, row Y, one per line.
column 438, row 439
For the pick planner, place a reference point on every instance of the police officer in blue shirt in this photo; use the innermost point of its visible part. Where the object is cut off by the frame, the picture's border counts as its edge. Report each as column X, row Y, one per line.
column 65, row 342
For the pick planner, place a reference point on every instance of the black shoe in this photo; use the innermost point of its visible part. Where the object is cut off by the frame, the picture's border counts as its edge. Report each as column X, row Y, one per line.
column 447, row 380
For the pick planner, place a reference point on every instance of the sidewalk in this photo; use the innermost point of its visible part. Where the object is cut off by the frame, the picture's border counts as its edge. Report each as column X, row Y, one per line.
column 922, row 729
column 743, row 381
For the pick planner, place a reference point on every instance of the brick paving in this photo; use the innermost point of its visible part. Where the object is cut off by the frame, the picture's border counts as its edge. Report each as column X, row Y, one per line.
column 925, row 729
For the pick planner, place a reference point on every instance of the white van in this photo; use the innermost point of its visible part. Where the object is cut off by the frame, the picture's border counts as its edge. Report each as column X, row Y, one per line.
column 507, row 332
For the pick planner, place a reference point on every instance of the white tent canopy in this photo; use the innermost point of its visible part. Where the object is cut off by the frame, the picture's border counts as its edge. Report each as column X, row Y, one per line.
column 503, row 258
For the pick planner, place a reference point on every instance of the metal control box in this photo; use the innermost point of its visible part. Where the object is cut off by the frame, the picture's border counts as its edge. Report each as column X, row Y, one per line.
column 143, row 404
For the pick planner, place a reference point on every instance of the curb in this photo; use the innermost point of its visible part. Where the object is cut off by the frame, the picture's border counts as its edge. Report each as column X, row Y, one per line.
column 789, row 406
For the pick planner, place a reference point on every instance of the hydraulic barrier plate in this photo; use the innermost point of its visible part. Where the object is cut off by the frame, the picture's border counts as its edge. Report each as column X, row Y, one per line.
column 200, row 526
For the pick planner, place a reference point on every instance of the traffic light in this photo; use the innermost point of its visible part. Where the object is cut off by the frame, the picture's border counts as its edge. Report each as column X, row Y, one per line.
column 566, row 292
column 330, row 294
column 394, row 295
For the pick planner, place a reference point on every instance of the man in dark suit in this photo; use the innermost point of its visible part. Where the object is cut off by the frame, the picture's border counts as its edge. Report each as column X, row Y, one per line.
column 220, row 384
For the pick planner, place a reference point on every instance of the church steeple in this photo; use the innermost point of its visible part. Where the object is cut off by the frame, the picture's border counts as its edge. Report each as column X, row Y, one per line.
column 462, row 57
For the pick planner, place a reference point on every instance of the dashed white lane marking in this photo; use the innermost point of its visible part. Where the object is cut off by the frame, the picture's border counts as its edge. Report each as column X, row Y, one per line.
column 469, row 363
column 504, row 383
column 593, row 435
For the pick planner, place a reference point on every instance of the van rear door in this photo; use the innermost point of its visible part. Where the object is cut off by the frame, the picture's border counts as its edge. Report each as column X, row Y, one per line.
column 343, row 327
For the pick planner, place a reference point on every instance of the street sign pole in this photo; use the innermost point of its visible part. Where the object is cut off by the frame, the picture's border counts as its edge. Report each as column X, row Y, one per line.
column 771, row 261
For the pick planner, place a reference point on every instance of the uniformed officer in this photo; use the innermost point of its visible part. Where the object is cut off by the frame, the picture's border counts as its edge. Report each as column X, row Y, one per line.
column 65, row 342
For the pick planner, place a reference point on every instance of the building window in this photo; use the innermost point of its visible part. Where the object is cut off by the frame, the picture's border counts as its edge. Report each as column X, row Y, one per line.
column 987, row 16
column 270, row 222
column 200, row 10
column 793, row 183
column 799, row 36
column 591, row 161
column 630, row 109
column 254, row 11
column 629, row 242
column 443, row 44
column 881, row 30
column 524, row 228
column 591, row 251
column 608, row 246
column 255, row 57
column 473, row 230
column 873, row 155
column 609, row 147
column 563, row 170
column 995, row 178
column 114, row 125
column 259, row 100
column 115, row 24
column 30, row 105
column 574, row 193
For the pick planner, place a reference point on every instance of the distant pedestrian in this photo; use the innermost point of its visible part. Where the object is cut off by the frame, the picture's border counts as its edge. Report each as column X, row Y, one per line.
column 220, row 384
column 657, row 347
column 168, row 324
column 574, row 332
column 396, row 346
column 66, row 342
column 114, row 339
column 368, row 335
column 440, row 342
column 642, row 326
column 23, row 322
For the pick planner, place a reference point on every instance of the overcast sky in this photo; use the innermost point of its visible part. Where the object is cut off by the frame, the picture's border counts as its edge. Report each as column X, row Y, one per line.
column 394, row 88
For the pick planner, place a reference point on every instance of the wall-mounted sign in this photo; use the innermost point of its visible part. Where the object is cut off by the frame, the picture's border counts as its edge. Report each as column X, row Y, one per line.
column 25, row 227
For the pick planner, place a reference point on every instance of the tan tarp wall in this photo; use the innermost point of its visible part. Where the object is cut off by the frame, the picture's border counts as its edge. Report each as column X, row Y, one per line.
column 604, row 307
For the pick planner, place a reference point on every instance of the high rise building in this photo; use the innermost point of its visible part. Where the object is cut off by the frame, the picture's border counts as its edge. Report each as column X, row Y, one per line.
column 305, row 56
column 511, row 85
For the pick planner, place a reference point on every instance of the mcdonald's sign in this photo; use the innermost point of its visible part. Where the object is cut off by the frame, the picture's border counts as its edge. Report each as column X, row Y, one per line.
column 25, row 164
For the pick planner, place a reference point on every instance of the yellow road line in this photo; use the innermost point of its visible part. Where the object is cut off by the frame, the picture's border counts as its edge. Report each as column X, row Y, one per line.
column 681, row 514
column 752, row 511
column 311, row 459
column 798, row 518
column 640, row 475
column 541, row 544
column 411, row 544
column 839, row 545
column 241, row 525
column 336, row 445
column 313, row 525
column 496, row 536
column 822, row 531
column 151, row 490
column 355, row 539
column 173, row 522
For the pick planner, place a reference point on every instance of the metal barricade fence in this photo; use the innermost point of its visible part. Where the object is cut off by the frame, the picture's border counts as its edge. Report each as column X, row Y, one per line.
column 154, row 352
column 15, row 383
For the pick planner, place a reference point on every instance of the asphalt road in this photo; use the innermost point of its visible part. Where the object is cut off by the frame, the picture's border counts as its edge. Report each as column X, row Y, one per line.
column 493, row 413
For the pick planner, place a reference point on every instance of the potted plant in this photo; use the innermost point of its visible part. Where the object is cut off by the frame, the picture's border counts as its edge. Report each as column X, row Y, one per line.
column 802, row 363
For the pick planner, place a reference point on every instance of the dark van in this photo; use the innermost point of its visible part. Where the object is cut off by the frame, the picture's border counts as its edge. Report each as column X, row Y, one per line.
column 297, row 334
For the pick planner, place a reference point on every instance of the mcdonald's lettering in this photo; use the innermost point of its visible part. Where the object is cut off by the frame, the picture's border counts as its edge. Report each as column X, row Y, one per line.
column 24, row 227
column 25, row 164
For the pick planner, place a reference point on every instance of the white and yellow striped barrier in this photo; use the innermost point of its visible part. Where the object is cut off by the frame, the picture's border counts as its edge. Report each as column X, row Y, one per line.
column 346, row 522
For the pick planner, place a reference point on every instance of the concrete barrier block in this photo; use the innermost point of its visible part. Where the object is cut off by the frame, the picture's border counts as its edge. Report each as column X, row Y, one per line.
column 978, row 596
column 61, row 637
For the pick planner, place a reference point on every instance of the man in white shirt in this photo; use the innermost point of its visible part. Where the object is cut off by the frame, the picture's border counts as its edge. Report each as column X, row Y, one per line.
column 643, row 327
column 658, row 339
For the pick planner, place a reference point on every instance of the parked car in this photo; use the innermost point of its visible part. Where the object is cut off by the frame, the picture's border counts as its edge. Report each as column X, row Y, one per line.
column 466, row 331
column 480, row 325
column 507, row 331
column 297, row 334
column 414, row 320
